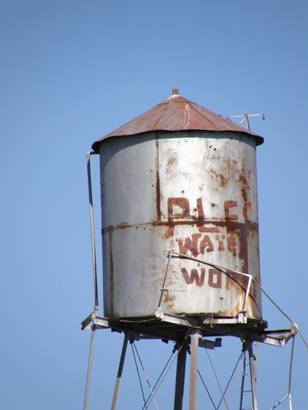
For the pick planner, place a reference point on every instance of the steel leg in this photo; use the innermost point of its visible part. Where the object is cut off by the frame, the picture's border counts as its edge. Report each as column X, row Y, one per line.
column 243, row 381
column 119, row 374
column 194, row 343
column 89, row 371
column 253, row 376
column 180, row 377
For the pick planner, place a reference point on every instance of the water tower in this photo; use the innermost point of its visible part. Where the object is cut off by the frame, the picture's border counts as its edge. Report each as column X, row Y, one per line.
column 180, row 235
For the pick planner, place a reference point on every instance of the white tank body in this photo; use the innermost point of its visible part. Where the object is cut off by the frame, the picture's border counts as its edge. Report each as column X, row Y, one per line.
column 192, row 192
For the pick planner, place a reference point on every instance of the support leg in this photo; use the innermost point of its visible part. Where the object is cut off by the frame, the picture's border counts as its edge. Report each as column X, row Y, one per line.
column 89, row 370
column 180, row 377
column 119, row 374
column 194, row 343
column 243, row 381
column 253, row 376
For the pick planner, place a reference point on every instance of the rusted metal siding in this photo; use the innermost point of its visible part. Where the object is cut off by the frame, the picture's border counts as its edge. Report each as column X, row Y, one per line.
column 191, row 192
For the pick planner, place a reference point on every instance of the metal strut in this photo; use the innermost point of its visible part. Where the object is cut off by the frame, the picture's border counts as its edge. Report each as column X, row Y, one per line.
column 247, row 350
column 288, row 396
column 92, row 316
column 194, row 343
column 138, row 373
column 134, row 347
column 217, row 380
column 89, row 371
column 119, row 374
column 160, row 378
column 180, row 377
column 230, row 379
column 243, row 382
column 253, row 376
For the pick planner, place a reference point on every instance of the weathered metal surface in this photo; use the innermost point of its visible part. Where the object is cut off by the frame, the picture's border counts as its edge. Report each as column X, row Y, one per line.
column 192, row 192
column 177, row 113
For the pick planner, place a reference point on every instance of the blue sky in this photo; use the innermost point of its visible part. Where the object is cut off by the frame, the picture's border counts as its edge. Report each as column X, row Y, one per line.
column 74, row 70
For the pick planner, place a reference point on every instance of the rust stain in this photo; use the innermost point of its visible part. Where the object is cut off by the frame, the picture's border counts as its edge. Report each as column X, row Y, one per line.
column 245, row 186
column 208, row 229
column 237, row 233
column 200, row 210
column 171, row 162
column 243, row 253
column 243, row 180
column 158, row 209
column 169, row 299
column 187, row 115
column 111, row 274
column 240, row 283
column 222, row 180
column 252, row 226
column 246, row 210
column 233, row 242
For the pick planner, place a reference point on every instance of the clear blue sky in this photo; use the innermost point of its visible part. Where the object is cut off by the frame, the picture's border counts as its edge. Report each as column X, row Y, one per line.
column 74, row 70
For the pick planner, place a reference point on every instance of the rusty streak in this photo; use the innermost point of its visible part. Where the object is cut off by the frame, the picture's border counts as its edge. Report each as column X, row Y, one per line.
column 158, row 209
column 230, row 225
column 111, row 272
column 200, row 210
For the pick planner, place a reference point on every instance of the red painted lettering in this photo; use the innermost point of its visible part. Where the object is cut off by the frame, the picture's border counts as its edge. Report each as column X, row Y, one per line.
column 207, row 244
column 189, row 244
column 173, row 204
column 233, row 243
column 208, row 229
column 246, row 209
column 200, row 210
column 220, row 239
column 194, row 276
column 215, row 278
column 228, row 205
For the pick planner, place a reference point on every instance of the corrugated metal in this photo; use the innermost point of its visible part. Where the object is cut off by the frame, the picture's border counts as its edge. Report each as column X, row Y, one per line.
column 177, row 113
column 193, row 192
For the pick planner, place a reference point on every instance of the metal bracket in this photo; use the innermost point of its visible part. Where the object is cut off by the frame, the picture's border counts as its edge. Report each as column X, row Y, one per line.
column 283, row 336
column 240, row 318
column 94, row 321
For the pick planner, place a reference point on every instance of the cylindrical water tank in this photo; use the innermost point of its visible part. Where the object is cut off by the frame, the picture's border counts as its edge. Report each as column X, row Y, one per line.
column 179, row 178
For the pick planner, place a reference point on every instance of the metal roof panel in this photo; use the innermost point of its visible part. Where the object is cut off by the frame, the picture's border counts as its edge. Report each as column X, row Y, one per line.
column 177, row 113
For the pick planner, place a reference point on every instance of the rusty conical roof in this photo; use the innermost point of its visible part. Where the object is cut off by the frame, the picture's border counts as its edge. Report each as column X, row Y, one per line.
column 177, row 113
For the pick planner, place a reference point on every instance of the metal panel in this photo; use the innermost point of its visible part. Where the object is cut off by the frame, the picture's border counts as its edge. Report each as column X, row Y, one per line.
column 128, row 170
column 191, row 192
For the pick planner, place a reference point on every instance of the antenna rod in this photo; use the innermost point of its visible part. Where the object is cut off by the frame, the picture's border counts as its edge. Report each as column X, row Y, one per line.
column 245, row 118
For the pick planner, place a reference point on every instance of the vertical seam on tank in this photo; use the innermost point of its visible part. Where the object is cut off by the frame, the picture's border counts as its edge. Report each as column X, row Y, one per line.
column 158, row 208
column 111, row 274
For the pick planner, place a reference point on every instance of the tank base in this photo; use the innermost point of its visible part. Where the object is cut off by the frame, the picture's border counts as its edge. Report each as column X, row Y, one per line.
column 171, row 327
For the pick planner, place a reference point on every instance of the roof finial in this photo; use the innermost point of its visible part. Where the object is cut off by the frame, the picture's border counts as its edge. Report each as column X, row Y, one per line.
column 175, row 91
